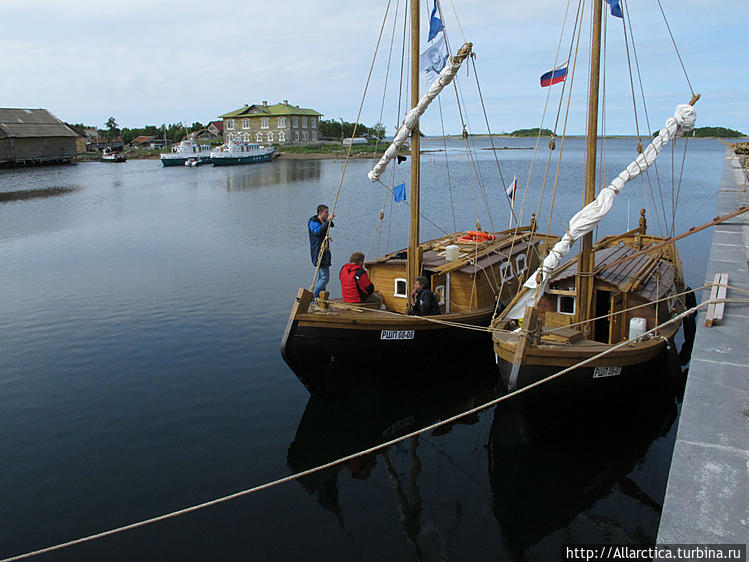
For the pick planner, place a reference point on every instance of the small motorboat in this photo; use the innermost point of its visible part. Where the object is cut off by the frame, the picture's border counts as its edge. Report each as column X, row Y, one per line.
column 109, row 155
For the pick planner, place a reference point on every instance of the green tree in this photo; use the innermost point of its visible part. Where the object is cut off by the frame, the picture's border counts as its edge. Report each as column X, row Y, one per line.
column 128, row 135
column 112, row 130
column 378, row 130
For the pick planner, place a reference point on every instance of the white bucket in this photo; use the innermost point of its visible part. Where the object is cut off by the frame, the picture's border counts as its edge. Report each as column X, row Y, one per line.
column 637, row 327
column 452, row 252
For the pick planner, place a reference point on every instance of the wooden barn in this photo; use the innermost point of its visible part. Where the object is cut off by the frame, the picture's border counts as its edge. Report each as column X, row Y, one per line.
column 34, row 136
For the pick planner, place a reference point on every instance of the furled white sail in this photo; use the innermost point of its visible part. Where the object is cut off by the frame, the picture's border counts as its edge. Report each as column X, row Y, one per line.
column 590, row 215
column 445, row 77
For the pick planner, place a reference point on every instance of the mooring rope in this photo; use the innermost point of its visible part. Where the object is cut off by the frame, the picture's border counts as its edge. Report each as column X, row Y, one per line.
column 361, row 453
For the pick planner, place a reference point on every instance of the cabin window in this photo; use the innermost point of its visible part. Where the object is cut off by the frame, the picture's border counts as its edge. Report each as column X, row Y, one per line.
column 520, row 263
column 401, row 288
column 259, row 137
column 295, row 122
column 230, row 136
column 305, row 136
column 439, row 292
column 245, row 123
column 281, row 137
column 281, row 122
column 314, row 136
column 230, row 124
column 270, row 136
column 264, row 123
column 313, row 123
column 296, row 135
column 304, row 122
column 566, row 304
column 246, row 137
column 505, row 272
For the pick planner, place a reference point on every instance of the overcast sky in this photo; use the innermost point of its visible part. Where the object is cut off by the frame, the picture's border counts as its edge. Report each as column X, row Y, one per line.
column 147, row 62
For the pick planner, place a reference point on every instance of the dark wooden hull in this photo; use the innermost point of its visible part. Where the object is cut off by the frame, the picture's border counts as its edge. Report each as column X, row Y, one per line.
column 330, row 358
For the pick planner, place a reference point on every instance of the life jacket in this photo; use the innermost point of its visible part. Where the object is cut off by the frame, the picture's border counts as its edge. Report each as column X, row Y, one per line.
column 355, row 283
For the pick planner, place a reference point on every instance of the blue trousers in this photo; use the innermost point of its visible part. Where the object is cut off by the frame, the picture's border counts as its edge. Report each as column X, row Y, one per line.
column 323, row 276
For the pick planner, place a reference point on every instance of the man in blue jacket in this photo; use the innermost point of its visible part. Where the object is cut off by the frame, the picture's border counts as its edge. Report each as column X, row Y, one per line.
column 317, row 228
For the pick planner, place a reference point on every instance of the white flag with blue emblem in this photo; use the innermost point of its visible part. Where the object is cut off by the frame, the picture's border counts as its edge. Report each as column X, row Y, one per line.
column 433, row 59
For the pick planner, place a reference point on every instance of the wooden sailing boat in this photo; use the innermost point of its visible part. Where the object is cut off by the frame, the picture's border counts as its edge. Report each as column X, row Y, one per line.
column 608, row 295
column 334, row 344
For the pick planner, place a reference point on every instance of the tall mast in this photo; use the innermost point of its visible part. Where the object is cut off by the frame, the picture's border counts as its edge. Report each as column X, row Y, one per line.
column 413, row 261
column 586, row 265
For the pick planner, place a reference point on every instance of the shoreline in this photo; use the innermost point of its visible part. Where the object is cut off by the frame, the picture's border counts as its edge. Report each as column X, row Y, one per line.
column 364, row 155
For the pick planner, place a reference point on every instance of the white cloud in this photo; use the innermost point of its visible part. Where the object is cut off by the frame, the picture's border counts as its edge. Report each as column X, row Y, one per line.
column 154, row 62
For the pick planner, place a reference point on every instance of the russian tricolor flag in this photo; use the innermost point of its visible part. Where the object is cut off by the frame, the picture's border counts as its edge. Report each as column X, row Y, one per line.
column 511, row 189
column 558, row 74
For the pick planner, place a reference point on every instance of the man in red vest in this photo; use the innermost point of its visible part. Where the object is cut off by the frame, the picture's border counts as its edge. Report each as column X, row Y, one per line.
column 355, row 284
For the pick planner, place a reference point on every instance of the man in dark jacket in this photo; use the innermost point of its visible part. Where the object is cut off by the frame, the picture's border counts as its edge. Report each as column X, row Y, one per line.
column 423, row 301
column 355, row 284
column 317, row 228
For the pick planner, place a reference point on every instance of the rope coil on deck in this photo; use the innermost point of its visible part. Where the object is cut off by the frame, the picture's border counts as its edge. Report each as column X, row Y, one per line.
column 370, row 450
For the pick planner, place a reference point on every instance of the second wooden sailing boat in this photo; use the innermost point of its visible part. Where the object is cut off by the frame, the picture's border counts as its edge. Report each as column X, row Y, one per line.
column 609, row 295
column 330, row 345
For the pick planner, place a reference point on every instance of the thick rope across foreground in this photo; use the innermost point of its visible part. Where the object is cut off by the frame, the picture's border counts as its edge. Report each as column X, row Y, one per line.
column 365, row 451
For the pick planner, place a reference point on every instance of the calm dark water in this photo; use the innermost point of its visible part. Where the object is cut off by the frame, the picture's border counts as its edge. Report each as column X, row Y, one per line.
column 140, row 322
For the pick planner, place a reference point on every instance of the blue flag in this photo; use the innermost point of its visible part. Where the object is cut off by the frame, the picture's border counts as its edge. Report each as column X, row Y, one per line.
column 435, row 23
column 616, row 9
column 399, row 193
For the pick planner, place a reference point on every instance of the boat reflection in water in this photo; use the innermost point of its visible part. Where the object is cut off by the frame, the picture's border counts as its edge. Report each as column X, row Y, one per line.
column 559, row 473
column 331, row 428
column 277, row 173
column 551, row 462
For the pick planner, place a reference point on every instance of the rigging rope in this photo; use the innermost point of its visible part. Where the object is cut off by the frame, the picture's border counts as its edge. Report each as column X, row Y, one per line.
column 324, row 245
column 647, row 122
column 369, row 450
column 678, row 188
column 676, row 48
column 566, row 118
column 552, row 143
column 447, row 166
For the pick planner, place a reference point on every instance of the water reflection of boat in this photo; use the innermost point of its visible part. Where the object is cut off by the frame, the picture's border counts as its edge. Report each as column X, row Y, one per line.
column 333, row 428
column 550, row 461
column 282, row 172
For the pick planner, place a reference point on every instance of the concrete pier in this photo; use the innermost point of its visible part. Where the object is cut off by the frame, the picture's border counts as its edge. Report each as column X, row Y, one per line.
column 707, row 497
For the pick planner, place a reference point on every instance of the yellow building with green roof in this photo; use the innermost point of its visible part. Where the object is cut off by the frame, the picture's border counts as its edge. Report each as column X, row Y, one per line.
column 281, row 123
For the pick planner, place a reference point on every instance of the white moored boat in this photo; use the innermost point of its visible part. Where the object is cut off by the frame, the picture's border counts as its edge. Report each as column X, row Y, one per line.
column 232, row 153
column 184, row 151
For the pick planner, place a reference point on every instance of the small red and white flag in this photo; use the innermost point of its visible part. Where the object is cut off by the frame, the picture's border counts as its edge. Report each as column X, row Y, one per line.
column 512, row 188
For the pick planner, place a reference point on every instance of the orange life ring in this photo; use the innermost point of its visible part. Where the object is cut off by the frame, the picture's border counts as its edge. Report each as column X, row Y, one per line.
column 475, row 236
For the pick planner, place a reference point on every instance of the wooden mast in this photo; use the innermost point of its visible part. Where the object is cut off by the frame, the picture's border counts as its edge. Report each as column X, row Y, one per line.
column 586, row 265
column 413, row 261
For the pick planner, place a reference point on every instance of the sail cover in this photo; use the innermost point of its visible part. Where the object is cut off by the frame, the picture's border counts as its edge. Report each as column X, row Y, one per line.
column 445, row 77
column 590, row 215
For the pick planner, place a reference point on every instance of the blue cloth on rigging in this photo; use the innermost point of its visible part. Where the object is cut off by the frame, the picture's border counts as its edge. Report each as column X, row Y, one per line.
column 399, row 193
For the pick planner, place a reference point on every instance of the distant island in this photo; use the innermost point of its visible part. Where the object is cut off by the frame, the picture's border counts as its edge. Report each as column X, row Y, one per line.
column 531, row 132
